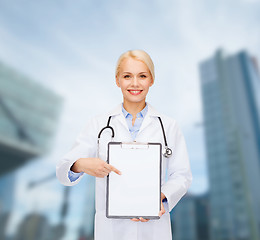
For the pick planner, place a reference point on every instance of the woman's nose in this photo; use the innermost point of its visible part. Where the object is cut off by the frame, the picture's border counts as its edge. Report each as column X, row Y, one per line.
column 134, row 81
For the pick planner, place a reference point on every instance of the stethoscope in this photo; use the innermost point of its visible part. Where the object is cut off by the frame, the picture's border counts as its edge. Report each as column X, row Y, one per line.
column 167, row 151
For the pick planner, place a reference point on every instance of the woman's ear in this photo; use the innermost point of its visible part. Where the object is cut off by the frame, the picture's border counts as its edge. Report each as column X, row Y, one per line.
column 117, row 81
column 151, row 83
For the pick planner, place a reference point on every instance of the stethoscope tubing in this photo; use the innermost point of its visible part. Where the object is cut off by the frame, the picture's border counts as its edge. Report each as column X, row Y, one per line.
column 107, row 126
column 168, row 151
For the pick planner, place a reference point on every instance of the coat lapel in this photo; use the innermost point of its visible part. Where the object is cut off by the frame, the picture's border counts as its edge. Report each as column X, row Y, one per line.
column 120, row 116
column 148, row 117
column 122, row 120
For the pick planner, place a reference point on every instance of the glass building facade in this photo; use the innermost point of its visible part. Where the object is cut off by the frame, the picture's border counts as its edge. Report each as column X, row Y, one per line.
column 7, row 187
column 88, row 217
column 28, row 118
column 184, row 220
column 29, row 115
column 230, row 87
column 190, row 218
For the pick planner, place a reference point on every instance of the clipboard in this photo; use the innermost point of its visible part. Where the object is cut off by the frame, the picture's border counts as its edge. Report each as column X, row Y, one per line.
column 137, row 192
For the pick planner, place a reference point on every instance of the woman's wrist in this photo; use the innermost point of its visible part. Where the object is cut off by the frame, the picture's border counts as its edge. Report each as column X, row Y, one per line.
column 76, row 166
column 162, row 196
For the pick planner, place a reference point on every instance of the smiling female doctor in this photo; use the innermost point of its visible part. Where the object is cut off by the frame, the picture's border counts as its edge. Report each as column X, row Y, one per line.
column 134, row 120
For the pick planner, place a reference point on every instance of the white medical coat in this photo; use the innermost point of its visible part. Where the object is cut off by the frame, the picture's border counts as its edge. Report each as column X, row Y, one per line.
column 178, row 172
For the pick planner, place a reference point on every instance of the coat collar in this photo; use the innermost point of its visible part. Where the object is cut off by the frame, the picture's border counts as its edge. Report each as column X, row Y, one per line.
column 146, row 122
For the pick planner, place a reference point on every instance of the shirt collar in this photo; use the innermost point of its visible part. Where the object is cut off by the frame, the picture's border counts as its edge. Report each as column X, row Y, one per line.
column 141, row 114
column 118, row 110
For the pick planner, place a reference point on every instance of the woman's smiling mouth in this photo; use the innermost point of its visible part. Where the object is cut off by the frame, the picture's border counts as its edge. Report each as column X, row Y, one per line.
column 135, row 92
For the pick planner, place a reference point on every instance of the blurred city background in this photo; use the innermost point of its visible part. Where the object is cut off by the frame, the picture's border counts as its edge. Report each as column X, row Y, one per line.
column 57, row 63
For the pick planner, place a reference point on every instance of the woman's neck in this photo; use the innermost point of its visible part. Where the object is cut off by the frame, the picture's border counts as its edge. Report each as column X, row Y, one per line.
column 134, row 108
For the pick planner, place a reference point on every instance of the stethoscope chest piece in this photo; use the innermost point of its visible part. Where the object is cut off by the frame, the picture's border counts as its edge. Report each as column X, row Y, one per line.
column 167, row 152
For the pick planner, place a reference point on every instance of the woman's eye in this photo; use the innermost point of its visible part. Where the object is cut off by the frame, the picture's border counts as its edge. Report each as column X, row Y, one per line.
column 127, row 76
column 143, row 76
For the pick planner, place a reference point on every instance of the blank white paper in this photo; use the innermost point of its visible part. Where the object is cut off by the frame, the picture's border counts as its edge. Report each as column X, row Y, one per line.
column 135, row 193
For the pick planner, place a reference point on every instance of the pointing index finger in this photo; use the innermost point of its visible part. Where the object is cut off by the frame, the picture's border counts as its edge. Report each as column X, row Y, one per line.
column 112, row 168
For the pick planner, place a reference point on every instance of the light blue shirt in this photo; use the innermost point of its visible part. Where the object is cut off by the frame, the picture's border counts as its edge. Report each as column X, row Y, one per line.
column 133, row 129
column 138, row 121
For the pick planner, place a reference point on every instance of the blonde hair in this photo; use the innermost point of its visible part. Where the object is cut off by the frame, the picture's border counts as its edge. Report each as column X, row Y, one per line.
column 140, row 55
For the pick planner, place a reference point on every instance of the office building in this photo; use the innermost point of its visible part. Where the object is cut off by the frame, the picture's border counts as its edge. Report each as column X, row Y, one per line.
column 29, row 115
column 7, row 187
column 230, row 87
column 87, row 225
column 190, row 218
column 28, row 118
column 34, row 226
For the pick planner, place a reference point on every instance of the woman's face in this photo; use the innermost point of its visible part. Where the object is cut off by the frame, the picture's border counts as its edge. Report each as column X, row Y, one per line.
column 134, row 79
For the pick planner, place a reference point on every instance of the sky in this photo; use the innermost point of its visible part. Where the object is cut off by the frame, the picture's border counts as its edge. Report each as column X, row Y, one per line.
column 72, row 47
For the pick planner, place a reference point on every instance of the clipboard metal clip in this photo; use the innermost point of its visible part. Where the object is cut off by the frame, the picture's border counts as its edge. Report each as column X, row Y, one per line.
column 134, row 145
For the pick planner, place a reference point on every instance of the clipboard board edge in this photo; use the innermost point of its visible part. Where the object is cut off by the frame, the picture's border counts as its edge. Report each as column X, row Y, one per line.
column 107, row 187
column 130, row 217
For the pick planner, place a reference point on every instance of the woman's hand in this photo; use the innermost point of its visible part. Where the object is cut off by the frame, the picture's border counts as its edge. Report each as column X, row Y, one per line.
column 160, row 213
column 94, row 167
column 140, row 219
column 162, row 207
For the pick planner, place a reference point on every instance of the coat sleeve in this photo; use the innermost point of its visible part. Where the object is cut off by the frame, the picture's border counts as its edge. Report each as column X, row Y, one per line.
column 178, row 172
column 85, row 146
